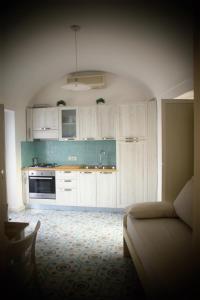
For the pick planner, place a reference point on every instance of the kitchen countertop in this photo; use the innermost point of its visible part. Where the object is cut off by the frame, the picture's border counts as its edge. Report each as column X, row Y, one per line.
column 74, row 168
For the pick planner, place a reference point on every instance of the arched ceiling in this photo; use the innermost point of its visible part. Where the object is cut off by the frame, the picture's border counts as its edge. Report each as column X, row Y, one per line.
column 149, row 45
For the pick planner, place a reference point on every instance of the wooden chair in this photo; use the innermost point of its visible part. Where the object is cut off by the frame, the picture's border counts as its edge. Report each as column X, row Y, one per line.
column 21, row 264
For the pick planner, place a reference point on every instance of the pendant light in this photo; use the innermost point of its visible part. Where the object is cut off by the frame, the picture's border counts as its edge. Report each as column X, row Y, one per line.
column 73, row 81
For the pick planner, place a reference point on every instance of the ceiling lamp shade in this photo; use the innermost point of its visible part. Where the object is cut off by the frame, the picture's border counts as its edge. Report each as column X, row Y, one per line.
column 74, row 83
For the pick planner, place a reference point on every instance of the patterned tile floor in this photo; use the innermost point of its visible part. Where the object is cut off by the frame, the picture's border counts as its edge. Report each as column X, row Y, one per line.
column 80, row 255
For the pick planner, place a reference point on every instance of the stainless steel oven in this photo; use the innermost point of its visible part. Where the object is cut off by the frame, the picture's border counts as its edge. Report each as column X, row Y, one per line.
column 42, row 184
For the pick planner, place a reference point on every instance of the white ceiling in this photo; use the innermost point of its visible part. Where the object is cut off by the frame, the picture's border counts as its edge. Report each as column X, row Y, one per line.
column 151, row 46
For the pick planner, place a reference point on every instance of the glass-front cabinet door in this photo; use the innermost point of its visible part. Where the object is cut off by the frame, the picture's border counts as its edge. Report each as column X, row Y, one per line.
column 68, row 124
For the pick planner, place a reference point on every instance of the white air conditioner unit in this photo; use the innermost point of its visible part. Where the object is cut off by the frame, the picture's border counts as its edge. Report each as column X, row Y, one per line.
column 94, row 81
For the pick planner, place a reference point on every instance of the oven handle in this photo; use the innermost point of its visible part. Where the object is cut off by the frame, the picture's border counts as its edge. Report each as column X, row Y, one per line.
column 44, row 178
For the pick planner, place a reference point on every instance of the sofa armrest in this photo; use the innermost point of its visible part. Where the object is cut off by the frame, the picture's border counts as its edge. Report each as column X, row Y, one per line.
column 150, row 210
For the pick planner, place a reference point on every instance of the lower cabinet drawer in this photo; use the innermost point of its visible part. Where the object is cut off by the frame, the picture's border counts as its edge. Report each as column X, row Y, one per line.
column 66, row 184
column 66, row 196
column 67, row 175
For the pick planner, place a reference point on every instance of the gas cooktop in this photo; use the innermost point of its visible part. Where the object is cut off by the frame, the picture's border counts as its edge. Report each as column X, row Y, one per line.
column 45, row 165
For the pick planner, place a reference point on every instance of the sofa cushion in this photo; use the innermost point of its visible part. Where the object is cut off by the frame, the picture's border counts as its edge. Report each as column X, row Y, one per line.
column 150, row 210
column 183, row 203
column 164, row 248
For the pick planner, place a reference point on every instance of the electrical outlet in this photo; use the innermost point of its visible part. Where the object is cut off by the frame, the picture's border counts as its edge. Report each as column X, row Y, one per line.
column 72, row 157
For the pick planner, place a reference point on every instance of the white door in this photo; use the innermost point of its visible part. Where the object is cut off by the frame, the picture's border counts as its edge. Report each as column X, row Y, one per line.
column 106, row 115
column 106, row 189
column 3, row 198
column 87, row 122
column 87, row 189
column 3, row 201
column 132, row 121
column 25, row 187
column 13, row 200
column 29, row 124
column 132, row 176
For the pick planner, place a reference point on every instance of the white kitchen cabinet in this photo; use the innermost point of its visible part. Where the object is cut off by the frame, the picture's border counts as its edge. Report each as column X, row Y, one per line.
column 87, row 188
column 66, row 188
column 25, row 187
column 132, row 175
column 87, row 116
column 132, row 121
column 106, row 116
column 68, row 124
column 106, row 189
column 45, row 123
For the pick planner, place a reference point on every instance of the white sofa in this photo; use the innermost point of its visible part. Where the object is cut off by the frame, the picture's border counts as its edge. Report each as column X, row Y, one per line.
column 158, row 237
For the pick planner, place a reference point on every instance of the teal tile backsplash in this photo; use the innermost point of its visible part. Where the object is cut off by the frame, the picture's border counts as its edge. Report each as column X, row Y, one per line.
column 27, row 153
column 87, row 152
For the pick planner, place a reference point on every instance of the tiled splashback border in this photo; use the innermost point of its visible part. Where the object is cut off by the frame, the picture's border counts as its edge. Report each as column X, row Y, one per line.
column 86, row 152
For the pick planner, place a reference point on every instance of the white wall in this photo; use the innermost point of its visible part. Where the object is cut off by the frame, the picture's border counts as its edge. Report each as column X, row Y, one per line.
column 149, row 47
column 117, row 90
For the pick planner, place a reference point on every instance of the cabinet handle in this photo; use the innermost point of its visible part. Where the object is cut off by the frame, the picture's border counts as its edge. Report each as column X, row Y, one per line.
column 43, row 178
column 130, row 140
column 67, row 190
column 108, row 138
column 87, row 172
column 44, row 128
column 67, row 180
column 70, row 139
column 106, row 172
column 67, row 172
column 29, row 133
column 88, row 139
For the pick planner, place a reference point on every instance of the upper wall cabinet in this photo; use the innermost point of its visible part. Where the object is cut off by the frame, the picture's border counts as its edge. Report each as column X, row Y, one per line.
column 106, row 118
column 45, row 123
column 95, row 122
column 68, row 125
column 132, row 121
column 87, row 123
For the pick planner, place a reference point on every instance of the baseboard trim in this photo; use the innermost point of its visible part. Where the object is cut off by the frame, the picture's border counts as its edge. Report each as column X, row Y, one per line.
column 16, row 209
column 74, row 208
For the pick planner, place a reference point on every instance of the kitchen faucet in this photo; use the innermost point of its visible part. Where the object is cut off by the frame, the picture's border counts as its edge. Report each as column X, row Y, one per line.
column 102, row 152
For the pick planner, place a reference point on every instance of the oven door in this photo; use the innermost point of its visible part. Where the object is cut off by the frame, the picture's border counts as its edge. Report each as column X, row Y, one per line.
column 42, row 187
